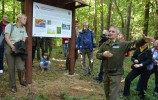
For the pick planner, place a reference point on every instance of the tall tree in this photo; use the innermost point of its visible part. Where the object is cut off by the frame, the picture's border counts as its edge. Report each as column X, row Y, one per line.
column 89, row 11
column 119, row 12
column 146, row 18
column 102, row 15
column 13, row 11
column 95, row 17
column 3, row 7
column 109, row 15
column 128, row 18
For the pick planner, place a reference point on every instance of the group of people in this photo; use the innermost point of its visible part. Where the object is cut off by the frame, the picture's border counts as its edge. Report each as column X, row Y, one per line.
column 14, row 49
column 112, row 51
column 45, row 45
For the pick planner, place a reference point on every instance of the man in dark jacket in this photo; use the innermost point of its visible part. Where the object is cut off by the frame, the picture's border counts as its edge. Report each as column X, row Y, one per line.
column 3, row 23
column 85, row 43
column 103, row 38
column 112, row 52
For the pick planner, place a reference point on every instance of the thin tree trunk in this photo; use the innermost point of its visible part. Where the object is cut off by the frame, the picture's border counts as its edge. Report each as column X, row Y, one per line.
column 101, row 16
column 89, row 11
column 22, row 7
column 95, row 17
column 109, row 15
column 156, row 20
column 119, row 12
column 128, row 19
column 14, row 11
column 3, row 9
column 146, row 18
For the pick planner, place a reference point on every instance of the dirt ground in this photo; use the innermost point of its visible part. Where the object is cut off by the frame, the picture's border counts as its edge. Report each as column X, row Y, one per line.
column 53, row 83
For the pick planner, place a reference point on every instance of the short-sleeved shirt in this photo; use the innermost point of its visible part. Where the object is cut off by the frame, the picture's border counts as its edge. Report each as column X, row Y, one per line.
column 17, row 34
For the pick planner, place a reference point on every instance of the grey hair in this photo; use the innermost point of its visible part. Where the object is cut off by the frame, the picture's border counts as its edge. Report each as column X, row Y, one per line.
column 115, row 27
column 105, row 32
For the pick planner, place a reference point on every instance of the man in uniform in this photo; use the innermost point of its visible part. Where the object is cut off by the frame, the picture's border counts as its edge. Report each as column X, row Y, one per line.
column 112, row 53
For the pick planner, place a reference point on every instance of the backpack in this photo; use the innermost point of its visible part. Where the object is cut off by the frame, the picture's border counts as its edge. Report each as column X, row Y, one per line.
column 2, row 37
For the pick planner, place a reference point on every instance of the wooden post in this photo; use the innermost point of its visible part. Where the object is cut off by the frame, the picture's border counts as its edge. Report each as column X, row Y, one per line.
column 72, row 42
column 28, row 8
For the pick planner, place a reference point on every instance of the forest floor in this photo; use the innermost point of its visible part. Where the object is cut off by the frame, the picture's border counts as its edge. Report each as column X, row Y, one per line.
column 54, row 84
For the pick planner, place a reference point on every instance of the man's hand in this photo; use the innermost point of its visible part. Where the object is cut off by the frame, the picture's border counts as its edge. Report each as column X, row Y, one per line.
column 107, row 54
column 148, row 39
column 136, row 61
column 138, row 65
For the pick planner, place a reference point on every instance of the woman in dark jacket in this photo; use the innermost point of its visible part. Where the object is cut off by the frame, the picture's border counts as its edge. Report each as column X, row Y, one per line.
column 141, row 58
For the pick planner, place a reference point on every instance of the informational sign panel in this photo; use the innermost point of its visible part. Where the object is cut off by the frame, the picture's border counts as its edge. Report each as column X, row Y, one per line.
column 50, row 21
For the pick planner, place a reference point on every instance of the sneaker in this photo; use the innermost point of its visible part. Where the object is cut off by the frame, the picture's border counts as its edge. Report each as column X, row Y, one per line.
column 24, row 83
column 1, row 71
column 14, row 89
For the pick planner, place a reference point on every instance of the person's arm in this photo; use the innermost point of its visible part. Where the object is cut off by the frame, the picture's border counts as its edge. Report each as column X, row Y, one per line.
column 148, row 59
column 135, row 55
column 25, row 35
column 7, row 37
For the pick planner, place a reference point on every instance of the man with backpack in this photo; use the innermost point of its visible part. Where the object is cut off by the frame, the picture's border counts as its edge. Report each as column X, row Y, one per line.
column 85, row 44
column 3, row 24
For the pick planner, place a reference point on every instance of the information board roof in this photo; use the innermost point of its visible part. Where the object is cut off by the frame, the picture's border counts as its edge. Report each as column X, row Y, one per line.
column 62, row 3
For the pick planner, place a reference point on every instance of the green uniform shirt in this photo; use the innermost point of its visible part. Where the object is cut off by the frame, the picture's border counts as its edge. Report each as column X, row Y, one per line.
column 18, row 33
column 118, row 49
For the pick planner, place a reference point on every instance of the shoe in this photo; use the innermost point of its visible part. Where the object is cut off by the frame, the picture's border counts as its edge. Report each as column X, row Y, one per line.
column 1, row 71
column 97, row 79
column 89, row 73
column 23, row 83
column 14, row 89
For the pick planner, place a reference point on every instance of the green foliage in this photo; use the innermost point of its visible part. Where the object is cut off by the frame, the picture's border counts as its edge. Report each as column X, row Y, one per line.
column 9, row 6
column 41, row 96
column 64, row 95
column 137, row 16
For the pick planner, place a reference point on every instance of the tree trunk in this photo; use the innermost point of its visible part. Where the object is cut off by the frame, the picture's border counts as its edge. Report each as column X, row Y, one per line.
column 89, row 11
column 156, row 20
column 95, row 17
column 13, row 11
column 146, row 18
column 128, row 19
column 3, row 9
column 109, row 15
column 101, row 16
column 22, row 7
column 119, row 12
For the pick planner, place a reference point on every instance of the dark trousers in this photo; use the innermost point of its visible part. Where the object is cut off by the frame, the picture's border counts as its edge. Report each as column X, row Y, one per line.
column 1, row 58
column 155, row 71
column 131, row 76
column 100, row 75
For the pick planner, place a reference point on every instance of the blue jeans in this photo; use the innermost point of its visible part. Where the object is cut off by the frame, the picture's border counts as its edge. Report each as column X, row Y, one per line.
column 1, row 57
column 155, row 71
column 65, row 47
